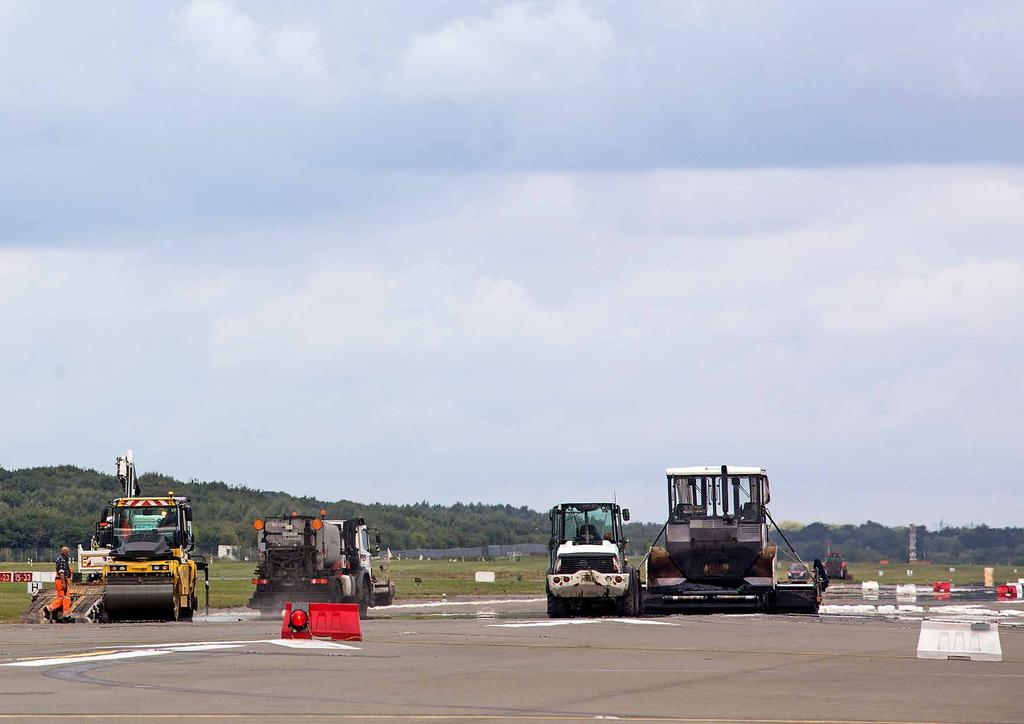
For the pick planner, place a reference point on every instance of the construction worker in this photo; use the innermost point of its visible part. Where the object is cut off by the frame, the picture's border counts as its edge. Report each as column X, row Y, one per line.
column 62, row 581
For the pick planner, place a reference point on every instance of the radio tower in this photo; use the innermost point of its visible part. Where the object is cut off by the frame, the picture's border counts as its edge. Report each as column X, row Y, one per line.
column 913, row 543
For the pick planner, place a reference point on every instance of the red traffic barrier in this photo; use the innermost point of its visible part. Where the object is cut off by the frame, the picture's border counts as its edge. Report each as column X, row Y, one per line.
column 941, row 587
column 336, row 621
column 1006, row 591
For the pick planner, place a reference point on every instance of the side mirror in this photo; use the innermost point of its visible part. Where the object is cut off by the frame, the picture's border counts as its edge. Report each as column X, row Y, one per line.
column 551, row 514
column 625, row 514
column 376, row 537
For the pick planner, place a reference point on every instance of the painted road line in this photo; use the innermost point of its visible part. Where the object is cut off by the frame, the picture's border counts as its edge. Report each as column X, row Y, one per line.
column 136, row 651
column 89, row 658
column 310, row 644
column 580, row 621
column 433, row 604
column 238, row 642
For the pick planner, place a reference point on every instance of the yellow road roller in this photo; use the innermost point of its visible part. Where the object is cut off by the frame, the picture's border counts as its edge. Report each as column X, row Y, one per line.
column 151, row 573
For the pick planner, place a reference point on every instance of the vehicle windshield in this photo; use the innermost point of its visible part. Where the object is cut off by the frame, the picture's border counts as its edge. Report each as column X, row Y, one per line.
column 584, row 525
column 143, row 523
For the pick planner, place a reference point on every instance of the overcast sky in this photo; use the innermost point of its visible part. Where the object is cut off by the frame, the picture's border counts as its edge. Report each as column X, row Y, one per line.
column 523, row 253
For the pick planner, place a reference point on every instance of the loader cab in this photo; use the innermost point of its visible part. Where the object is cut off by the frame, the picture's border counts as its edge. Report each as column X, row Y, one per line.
column 586, row 524
column 154, row 522
column 738, row 495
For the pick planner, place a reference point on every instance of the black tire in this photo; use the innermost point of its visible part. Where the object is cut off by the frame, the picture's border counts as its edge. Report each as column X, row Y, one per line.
column 363, row 595
column 628, row 606
column 334, row 591
column 558, row 607
column 384, row 599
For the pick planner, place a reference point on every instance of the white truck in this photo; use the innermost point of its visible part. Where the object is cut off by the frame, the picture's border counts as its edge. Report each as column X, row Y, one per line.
column 310, row 558
column 588, row 572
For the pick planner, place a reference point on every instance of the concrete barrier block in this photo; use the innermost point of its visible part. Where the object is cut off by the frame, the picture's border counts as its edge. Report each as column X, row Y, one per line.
column 485, row 576
column 906, row 592
column 869, row 589
column 959, row 640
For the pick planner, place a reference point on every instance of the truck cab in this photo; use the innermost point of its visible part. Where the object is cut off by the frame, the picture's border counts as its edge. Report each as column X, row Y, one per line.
column 588, row 568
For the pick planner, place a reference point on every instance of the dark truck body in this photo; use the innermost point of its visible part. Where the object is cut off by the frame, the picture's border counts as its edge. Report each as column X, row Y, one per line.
column 716, row 555
column 308, row 558
column 836, row 568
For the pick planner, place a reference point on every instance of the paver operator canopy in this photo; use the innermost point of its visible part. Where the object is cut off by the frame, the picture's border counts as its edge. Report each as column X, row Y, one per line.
column 716, row 552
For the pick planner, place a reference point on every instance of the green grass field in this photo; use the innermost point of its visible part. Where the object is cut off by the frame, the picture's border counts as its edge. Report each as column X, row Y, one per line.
column 927, row 573
column 231, row 586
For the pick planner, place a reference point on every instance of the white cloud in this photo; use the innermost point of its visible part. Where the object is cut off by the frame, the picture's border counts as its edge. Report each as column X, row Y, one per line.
column 233, row 47
column 522, row 48
column 567, row 332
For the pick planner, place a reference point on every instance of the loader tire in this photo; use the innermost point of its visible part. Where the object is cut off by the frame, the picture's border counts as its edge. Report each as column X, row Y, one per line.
column 558, row 607
column 629, row 605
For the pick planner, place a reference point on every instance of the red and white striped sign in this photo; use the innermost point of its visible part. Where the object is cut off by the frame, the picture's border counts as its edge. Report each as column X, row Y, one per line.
column 145, row 502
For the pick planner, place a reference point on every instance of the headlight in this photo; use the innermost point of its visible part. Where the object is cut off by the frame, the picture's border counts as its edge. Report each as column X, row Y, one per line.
column 558, row 565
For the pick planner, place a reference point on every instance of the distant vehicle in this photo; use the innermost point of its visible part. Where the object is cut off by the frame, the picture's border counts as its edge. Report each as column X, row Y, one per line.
column 798, row 572
column 835, row 567
column 309, row 558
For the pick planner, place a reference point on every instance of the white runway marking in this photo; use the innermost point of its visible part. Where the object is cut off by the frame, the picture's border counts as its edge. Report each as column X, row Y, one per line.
column 434, row 604
column 89, row 658
column 579, row 621
column 310, row 644
column 133, row 651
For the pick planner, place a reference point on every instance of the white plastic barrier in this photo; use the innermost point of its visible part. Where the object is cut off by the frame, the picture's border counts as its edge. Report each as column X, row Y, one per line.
column 869, row 589
column 485, row 576
column 950, row 640
column 906, row 592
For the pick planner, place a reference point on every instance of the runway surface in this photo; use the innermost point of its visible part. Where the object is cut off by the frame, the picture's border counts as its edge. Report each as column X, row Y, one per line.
column 504, row 660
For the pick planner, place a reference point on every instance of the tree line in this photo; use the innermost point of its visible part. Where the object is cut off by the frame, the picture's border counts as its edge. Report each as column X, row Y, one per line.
column 50, row 506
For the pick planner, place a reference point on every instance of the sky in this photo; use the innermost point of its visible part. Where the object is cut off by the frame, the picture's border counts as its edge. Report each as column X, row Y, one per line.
column 520, row 252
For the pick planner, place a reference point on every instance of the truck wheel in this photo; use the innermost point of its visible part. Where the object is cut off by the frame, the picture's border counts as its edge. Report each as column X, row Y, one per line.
column 386, row 598
column 363, row 595
column 558, row 607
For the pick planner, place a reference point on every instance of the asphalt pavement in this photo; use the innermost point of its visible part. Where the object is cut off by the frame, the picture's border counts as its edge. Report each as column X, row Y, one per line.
column 504, row 660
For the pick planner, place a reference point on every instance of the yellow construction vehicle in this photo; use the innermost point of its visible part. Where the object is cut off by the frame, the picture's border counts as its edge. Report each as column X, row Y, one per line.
column 140, row 563
column 151, row 572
